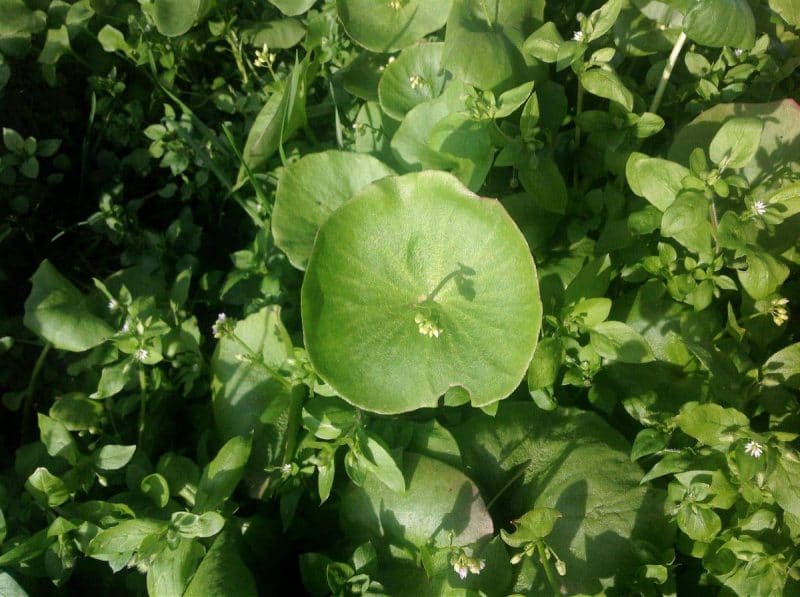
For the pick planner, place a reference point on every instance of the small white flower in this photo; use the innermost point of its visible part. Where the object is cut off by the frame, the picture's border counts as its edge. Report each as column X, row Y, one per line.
column 461, row 570
column 141, row 354
column 219, row 325
column 286, row 468
column 427, row 327
column 475, row 566
column 113, row 305
column 264, row 58
column 396, row 4
column 759, row 208
column 577, row 36
column 754, row 449
column 415, row 81
column 738, row 52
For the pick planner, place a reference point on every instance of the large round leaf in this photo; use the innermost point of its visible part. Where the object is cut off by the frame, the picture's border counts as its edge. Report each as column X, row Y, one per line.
column 415, row 77
column 391, row 25
column 311, row 189
column 438, row 500
column 576, row 463
column 416, row 285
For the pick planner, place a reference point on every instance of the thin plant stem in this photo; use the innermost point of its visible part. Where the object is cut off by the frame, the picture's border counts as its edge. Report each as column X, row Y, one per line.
column 27, row 405
column 667, row 73
column 548, row 568
column 142, row 403
column 293, row 425
column 505, row 488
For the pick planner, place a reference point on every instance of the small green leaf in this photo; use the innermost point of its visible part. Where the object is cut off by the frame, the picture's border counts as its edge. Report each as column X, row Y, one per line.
column 77, row 412
column 111, row 458
column 783, row 368
column 647, row 442
column 113, row 379
column 606, row 83
column 191, row 525
column 686, row 220
column 617, row 341
column 222, row 475
column 170, row 571
column 56, row 311
column 222, row 572
column 57, row 439
column 416, row 76
column 711, row 424
column 655, row 179
column 46, row 488
column 56, row 44
column 546, row 362
column 124, row 538
column 531, row 527
column 699, row 522
column 382, row 464
column 155, row 487
column 512, row 99
column 736, row 142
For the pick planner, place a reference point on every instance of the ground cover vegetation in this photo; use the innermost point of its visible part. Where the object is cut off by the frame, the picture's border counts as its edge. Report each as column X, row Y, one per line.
column 402, row 297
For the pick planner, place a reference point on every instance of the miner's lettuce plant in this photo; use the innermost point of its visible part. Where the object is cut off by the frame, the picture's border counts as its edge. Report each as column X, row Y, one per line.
column 399, row 297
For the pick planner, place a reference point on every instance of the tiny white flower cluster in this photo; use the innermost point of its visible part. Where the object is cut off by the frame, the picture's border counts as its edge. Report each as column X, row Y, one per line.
column 578, row 36
column 395, row 4
column 113, row 305
column 264, row 58
column 778, row 311
column 464, row 565
column 427, row 327
column 218, row 329
column 415, row 81
column 759, row 208
column 754, row 449
column 141, row 354
column 738, row 52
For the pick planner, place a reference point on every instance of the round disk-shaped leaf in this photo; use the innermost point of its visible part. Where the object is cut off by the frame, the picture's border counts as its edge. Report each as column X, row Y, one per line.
column 311, row 189
column 417, row 285
column 415, row 77
column 391, row 25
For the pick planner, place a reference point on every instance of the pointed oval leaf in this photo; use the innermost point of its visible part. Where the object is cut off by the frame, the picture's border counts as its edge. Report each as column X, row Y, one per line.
column 312, row 188
column 56, row 311
column 417, row 285
column 736, row 142
column 718, row 23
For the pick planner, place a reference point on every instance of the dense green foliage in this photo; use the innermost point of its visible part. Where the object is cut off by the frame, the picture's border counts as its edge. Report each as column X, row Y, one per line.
column 403, row 297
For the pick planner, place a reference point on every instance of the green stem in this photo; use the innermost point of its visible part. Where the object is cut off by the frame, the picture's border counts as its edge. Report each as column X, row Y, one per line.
column 258, row 360
column 548, row 569
column 293, row 425
column 27, row 405
column 142, row 403
column 667, row 73
column 505, row 488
